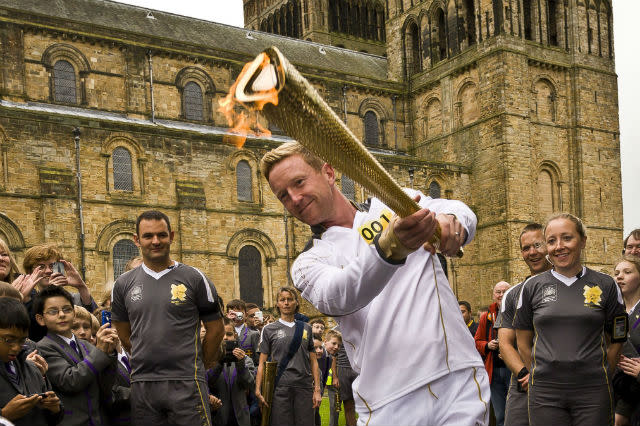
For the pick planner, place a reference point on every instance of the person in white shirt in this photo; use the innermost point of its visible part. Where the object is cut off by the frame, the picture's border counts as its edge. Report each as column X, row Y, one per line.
column 375, row 273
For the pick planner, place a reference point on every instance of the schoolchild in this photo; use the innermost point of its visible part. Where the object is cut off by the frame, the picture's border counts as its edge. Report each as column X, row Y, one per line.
column 230, row 380
column 254, row 317
column 317, row 326
column 626, row 381
column 247, row 338
column 81, row 327
column 324, row 365
column 26, row 397
column 332, row 343
column 76, row 367
column 288, row 342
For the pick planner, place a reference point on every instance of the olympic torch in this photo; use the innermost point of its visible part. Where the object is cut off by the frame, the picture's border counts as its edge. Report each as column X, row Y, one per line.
column 271, row 84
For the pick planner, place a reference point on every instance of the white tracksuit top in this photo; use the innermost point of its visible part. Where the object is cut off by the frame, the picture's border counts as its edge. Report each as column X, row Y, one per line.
column 401, row 324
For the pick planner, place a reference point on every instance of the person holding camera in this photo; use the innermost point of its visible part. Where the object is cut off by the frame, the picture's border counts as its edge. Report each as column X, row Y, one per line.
column 247, row 338
column 487, row 344
column 44, row 266
column 297, row 384
column 230, row 380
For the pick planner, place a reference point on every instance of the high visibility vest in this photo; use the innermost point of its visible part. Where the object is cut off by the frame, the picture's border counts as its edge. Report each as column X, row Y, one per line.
column 329, row 378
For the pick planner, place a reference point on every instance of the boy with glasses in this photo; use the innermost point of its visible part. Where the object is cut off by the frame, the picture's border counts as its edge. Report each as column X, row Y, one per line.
column 75, row 365
column 26, row 397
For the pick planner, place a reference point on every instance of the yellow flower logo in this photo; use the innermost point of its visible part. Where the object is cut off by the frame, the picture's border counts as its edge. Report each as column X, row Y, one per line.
column 592, row 295
column 178, row 292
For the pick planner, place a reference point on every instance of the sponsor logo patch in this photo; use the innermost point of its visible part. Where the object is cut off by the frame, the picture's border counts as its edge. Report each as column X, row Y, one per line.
column 549, row 293
column 136, row 293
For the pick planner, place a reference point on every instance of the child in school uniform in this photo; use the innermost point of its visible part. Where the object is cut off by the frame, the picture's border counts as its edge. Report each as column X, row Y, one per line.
column 26, row 397
column 230, row 380
column 332, row 343
column 75, row 365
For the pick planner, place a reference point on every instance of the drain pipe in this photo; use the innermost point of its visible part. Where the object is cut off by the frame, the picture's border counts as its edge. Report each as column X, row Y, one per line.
column 76, row 138
column 286, row 244
column 395, row 123
column 153, row 105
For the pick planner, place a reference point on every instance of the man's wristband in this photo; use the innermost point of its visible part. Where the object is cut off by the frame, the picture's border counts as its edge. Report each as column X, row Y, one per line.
column 522, row 373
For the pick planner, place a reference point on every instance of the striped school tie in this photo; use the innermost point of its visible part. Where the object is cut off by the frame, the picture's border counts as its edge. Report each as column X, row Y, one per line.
column 12, row 373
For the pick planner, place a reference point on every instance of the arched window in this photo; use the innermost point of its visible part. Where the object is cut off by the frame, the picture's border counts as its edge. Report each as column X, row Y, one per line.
column 545, row 193
column 497, row 17
column 250, row 275
column 64, row 82
column 193, row 105
column 123, row 251
column 244, row 181
column 412, row 49
column 348, row 188
column 434, row 189
column 122, row 171
column 371, row 132
column 528, row 19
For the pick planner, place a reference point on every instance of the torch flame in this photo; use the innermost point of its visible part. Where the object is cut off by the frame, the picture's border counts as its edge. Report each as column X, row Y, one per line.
column 241, row 125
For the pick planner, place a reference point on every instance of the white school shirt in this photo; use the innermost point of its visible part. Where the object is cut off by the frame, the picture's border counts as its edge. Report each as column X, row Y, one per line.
column 401, row 324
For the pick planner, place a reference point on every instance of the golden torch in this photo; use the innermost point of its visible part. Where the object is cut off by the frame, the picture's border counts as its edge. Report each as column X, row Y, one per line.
column 267, row 389
column 271, row 84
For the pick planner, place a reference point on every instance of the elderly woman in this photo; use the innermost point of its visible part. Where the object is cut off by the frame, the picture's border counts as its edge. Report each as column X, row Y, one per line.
column 570, row 326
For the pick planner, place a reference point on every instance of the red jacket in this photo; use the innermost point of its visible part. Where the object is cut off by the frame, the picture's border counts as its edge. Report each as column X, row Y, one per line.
column 485, row 334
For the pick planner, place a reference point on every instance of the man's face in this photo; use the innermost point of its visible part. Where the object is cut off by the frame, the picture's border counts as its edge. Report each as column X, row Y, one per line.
column 534, row 251
column 11, row 341
column 82, row 328
column 466, row 315
column 57, row 316
column 632, row 247
column 332, row 345
column 498, row 291
column 317, row 328
column 154, row 240
column 306, row 193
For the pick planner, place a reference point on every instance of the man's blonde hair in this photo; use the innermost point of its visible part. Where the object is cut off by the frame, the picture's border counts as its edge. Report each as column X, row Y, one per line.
column 286, row 150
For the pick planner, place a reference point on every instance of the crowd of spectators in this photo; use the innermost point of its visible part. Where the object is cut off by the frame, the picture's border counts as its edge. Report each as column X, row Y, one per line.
column 555, row 352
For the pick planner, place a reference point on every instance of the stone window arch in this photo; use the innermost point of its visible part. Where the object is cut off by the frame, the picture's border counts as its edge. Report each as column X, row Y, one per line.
column 467, row 109
column 67, row 68
column 244, row 166
column 236, row 250
column 122, row 170
column 348, row 187
column 432, row 118
column 244, row 181
column 548, row 190
column 123, row 251
column 193, row 102
column 124, row 163
column 435, row 190
column 373, row 116
column 196, row 87
column 110, row 251
column 11, row 235
column 439, row 37
column 411, row 44
column 545, row 100
column 64, row 82
column 250, row 275
column 371, row 130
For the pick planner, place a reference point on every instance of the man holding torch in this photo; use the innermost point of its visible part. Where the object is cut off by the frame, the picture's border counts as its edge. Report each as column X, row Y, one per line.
column 375, row 273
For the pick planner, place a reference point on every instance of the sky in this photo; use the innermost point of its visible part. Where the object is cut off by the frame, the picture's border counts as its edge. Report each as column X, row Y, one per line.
column 625, row 13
